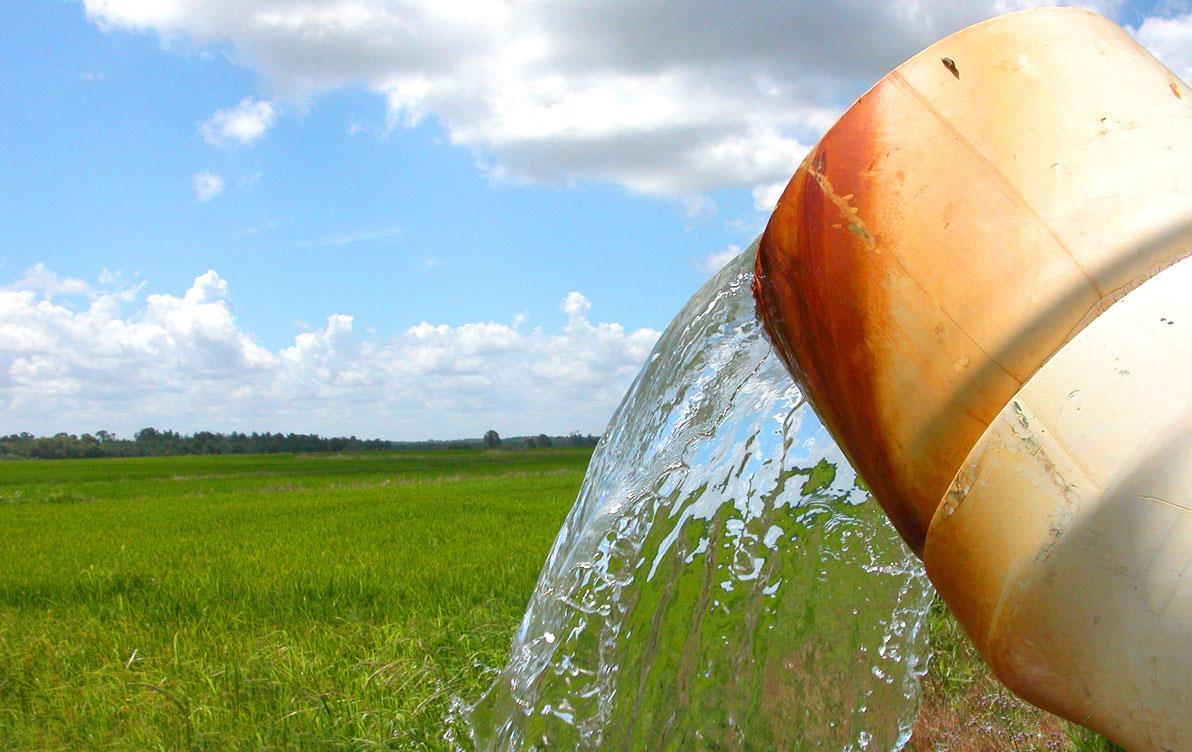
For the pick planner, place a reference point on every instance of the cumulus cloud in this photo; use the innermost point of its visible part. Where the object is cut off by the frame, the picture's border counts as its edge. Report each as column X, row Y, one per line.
column 242, row 124
column 1170, row 40
column 120, row 360
column 206, row 186
column 765, row 196
column 575, row 304
column 714, row 262
column 48, row 284
column 672, row 99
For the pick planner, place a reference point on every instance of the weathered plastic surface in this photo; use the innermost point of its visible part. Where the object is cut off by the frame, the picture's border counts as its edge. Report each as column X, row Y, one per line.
column 930, row 274
column 1065, row 541
column 959, row 223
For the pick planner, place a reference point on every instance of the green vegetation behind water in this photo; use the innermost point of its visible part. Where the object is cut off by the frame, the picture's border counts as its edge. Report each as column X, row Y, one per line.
column 310, row 602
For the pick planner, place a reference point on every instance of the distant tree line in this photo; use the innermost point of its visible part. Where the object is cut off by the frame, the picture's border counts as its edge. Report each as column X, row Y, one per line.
column 149, row 442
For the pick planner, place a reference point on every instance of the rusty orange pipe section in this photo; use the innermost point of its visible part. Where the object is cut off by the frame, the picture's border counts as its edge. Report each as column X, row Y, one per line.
column 966, row 221
column 961, row 221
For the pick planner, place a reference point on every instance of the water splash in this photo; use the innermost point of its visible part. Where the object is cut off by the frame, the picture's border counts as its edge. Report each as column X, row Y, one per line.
column 724, row 580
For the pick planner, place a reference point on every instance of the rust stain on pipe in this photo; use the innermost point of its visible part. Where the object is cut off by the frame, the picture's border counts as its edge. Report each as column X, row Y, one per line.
column 953, row 257
column 905, row 308
column 816, row 303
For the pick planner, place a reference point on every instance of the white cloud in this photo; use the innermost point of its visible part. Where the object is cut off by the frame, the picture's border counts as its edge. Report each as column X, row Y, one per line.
column 1170, row 40
column 699, row 207
column 48, row 284
column 672, row 99
column 353, row 237
column 765, row 196
column 124, row 360
column 714, row 262
column 242, row 124
column 575, row 304
column 207, row 186
column 249, row 181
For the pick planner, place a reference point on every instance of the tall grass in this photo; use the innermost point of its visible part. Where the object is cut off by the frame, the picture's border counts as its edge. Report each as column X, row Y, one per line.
column 263, row 602
column 314, row 602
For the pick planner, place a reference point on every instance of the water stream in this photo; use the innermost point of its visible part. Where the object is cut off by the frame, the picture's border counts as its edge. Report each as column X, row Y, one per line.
column 724, row 581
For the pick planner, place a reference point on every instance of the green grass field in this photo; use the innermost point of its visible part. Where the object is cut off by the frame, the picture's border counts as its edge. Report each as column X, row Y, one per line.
column 311, row 602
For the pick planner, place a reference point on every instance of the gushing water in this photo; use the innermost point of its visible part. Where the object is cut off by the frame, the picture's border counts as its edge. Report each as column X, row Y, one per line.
column 724, row 580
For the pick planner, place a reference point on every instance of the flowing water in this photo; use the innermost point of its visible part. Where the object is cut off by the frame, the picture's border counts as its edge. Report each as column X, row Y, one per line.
column 724, row 581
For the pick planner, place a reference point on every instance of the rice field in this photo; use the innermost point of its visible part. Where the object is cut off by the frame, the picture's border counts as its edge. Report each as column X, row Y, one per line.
column 264, row 602
column 312, row 602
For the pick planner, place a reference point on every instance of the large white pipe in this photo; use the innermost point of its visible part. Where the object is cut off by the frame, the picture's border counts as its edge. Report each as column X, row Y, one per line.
column 976, row 275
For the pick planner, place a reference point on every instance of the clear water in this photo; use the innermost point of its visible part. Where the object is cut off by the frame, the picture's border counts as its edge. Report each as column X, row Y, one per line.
column 724, row 580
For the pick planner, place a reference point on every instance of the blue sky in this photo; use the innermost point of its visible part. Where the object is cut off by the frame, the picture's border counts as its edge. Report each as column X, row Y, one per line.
column 394, row 226
column 394, row 219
